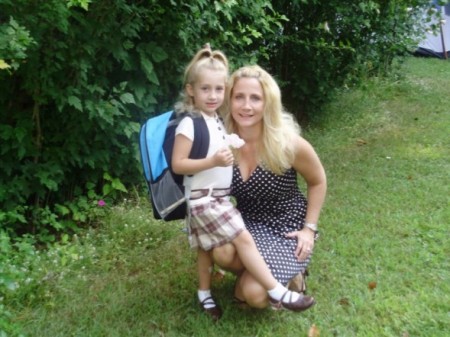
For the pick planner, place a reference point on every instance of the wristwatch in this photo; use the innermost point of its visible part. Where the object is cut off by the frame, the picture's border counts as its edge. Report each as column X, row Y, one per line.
column 313, row 227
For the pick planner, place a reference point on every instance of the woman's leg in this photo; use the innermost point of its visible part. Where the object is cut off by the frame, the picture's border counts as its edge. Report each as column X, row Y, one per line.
column 250, row 291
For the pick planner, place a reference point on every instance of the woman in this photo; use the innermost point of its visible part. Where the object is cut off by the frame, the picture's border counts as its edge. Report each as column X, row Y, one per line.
column 281, row 220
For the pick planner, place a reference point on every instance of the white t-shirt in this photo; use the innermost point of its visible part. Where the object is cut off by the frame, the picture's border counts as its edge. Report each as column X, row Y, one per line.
column 216, row 177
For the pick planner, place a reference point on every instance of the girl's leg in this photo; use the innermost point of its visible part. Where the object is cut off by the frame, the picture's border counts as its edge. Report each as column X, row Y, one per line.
column 204, row 269
column 279, row 296
column 226, row 257
column 253, row 261
column 204, row 265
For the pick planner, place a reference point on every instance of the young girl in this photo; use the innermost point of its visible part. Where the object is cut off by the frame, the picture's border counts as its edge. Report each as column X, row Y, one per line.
column 213, row 220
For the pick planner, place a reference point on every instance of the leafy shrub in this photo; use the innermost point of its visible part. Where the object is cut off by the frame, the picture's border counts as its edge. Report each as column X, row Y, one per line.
column 14, row 42
column 79, row 77
column 94, row 72
column 326, row 45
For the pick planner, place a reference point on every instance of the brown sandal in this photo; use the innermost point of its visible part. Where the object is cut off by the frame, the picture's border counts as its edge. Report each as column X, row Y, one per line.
column 298, row 283
column 215, row 312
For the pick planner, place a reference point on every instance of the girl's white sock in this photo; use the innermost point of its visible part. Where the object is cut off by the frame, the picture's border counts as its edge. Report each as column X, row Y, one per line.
column 204, row 294
column 278, row 292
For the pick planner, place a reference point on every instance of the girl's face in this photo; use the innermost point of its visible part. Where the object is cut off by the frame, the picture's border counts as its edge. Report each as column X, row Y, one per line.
column 247, row 102
column 208, row 91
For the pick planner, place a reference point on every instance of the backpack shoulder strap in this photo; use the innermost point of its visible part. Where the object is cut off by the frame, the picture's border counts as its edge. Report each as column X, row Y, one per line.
column 200, row 144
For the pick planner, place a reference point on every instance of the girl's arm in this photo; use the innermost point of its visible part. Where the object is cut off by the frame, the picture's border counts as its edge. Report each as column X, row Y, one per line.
column 181, row 164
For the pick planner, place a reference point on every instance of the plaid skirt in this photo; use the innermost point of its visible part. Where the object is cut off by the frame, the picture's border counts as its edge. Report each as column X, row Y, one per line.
column 214, row 221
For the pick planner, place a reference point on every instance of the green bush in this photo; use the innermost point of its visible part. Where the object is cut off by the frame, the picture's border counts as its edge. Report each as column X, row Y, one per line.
column 86, row 80
column 328, row 44
column 79, row 77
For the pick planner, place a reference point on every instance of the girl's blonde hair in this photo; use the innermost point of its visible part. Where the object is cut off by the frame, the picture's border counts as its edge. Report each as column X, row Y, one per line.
column 276, row 150
column 204, row 59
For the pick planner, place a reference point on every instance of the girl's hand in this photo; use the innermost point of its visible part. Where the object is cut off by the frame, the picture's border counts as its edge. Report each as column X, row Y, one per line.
column 223, row 157
column 305, row 243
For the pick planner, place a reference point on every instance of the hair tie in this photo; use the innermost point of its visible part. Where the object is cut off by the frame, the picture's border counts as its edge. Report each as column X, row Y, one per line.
column 207, row 46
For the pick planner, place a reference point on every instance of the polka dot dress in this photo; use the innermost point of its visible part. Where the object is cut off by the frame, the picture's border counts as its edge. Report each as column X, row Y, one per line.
column 271, row 206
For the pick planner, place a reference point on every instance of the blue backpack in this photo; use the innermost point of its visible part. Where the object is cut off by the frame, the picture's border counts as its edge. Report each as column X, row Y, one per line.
column 156, row 139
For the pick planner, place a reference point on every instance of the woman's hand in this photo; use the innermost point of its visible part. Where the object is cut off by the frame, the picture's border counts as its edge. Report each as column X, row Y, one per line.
column 305, row 242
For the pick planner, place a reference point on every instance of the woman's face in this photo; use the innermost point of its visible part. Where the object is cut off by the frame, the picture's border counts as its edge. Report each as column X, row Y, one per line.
column 247, row 102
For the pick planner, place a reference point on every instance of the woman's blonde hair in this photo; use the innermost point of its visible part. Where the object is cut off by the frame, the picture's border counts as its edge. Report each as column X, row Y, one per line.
column 204, row 59
column 276, row 150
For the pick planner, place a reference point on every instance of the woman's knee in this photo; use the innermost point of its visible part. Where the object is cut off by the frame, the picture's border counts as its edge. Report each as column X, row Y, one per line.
column 258, row 300
column 253, row 292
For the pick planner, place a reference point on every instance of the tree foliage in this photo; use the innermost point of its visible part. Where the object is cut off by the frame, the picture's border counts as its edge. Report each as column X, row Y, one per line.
column 78, row 77
column 82, row 77
column 325, row 45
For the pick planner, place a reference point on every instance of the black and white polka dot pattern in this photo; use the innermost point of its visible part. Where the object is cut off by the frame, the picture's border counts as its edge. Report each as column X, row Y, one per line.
column 271, row 206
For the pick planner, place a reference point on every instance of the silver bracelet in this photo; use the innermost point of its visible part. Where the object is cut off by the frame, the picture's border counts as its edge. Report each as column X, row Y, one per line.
column 313, row 227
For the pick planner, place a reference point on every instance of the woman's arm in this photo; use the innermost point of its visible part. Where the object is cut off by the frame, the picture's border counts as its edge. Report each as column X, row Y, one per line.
column 308, row 165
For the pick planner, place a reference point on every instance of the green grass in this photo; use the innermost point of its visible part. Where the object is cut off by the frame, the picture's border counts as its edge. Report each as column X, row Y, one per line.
column 381, row 267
